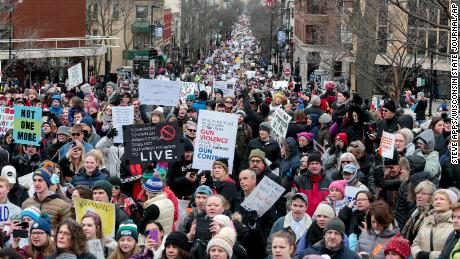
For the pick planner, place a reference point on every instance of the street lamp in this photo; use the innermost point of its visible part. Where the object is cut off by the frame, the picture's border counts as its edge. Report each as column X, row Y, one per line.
column 10, row 33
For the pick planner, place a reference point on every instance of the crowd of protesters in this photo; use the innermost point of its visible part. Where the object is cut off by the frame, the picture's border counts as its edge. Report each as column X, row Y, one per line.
column 342, row 198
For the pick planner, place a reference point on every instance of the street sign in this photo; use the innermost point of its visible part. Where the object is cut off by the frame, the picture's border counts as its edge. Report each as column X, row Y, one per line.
column 287, row 71
column 319, row 72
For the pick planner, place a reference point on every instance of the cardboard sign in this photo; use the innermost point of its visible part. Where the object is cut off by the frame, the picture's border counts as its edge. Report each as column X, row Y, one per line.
column 8, row 212
column 350, row 192
column 6, row 119
column 279, row 123
column 186, row 88
column 75, row 75
column 226, row 86
column 105, row 210
column 159, row 92
column 150, row 143
column 280, row 85
column 388, row 145
column 264, row 196
column 121, row 116
column 95, row 248
column 27, row 181
column 215, row 138
column 27, row 125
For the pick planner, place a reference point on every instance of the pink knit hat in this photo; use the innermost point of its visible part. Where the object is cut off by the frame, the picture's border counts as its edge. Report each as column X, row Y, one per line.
column 339, row 185
column 306, row 135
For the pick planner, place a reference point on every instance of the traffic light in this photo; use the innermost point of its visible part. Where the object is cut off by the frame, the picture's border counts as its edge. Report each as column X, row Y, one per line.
column 153, row 54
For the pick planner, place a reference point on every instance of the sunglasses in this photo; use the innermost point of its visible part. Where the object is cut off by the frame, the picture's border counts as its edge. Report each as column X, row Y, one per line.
column 192, row 130
column 76, row 134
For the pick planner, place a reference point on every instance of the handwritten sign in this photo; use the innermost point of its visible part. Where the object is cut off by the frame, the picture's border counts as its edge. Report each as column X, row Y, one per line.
column 387, row 144
column 159, row 92
column 186, row 88
column 146, row 143
column 121, row 116
column 280, row 85
column 27, row 181
column 105, row 210
column 6, row 119
column 279, row 123
column 216, row 138
column 350, row 192
column 75, row 75
column 227, row 87
column 95, row 248
column 27, row 125
column 264, row 196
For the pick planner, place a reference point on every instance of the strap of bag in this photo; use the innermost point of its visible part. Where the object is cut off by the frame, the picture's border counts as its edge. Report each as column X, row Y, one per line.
column 376, row 250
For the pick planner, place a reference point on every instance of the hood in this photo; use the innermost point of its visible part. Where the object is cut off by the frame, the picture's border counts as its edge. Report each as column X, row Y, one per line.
column 293, row 146
column 314, row 119
column 406, row 121
column 48, row 198
column 358, row 111
column 388, row 232
column 428, row 137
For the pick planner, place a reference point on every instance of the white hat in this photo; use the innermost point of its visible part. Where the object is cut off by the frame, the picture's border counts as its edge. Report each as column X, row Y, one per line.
column 9, row 172
column 225, row 239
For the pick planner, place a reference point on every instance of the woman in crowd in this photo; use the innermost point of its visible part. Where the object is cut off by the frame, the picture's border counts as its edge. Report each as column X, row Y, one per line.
column 452, row 246
column 425, row 149
column 289, row 154
column 157, row 117
column 40, row 244
column 70, row 239
column 49, row 132
column 176, row 246
column 306, row 144
column 92, row 227
column 364, row 160
column 221, row 181
column 90, row 173
column 283, row 245
column 154, row 241
column 403, row 142
column 221, row 245
column 437, row 126
column 336, row 195
column 127, row 235
column 28, row 160
column 331, row 158
column 73, row 161
column 104, row 121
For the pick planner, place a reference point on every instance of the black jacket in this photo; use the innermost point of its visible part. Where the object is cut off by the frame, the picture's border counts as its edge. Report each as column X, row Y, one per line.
column 270, row 147
column 319, row 249
column 176, row 180
column 420, row 110
column 18, row 194
column 352, row 219
column 450, row 244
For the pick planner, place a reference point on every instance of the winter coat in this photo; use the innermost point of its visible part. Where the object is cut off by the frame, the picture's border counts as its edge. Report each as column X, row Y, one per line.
column 451, row 242
column 435, row 225
column 226, row 188
column 166, row 207
column 449, row 176
column 175, row 178
column 314, row 110
column 315, row 187
column 112, row 155
column 352, row 219
column 270, row 147
column 65, row 164
column 390, row 126
column 244, row 134
column 284, row 223
column 18, row 194
column 365, row 164
column 324, row 137
column 25, row 164
column 253, row 118
column 56, row 208
column 420, row 110
column 403, row 206
column 85, row 255
column 455, row 254
column 292, row 160
column 294, row 128
column 199, row 105
column 369, row 240
column 319, row 249
column 82, row 178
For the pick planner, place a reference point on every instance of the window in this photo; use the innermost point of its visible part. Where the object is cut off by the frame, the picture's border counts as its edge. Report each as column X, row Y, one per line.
column 95, row 11
column 315, row 34
column 116, row 12
column 141, row 11
column 338, row 69
column 382, row 35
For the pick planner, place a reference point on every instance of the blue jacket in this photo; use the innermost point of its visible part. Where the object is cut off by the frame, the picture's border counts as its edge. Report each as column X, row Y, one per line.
column 199, row 105
column 82, row 178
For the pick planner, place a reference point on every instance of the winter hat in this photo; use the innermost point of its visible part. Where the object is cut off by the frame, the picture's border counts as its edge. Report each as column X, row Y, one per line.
column 265, row 126
column 31, row 212
column 223, row 219
column 204, row 189
column 301, row 196
column 95, row 104
column 43, row 174
column 390, row 105
column 337, row 225
column 453, row 198
column 225, row 239
column 307, row 135
column 315, row 101
column 314, row 157
column 47, row 123
column 399, row 245
column 43, row 223
column 343, row 137
column 392, row 161
column 127, row 228
column 151, row 214
column 350, row 168
column 188, row 145
column 115, row 181
column 325, row 118
column 241, row 112
column 154, row 185
column 346, row 94
column 191, row 97
column 258, row 153
column 324, row 209
column 329, row 85
column 63, row 130
column 104, row 185
column 222, row 162
column 178, row 239
column 339, row 185
column 10, row 173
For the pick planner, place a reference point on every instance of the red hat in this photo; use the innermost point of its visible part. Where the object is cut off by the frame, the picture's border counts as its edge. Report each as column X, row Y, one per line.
column 343, row 137
column 399, row 245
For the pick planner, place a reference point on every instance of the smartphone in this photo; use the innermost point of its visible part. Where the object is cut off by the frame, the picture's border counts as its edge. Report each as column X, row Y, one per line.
column 202, row 229
column 22, row 233
column 153, row 234
column 73, row 145
column 364, row 256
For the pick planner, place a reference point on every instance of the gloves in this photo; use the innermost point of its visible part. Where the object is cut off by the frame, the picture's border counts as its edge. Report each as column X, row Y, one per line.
column 251, row 216
column 112, row 132
column 423, row 255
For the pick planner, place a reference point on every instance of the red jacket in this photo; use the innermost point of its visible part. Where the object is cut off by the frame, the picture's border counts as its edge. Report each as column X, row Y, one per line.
column 315, row 187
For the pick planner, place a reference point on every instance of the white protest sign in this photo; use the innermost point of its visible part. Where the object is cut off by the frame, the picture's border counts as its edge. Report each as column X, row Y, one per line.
column 226, row 86
column 266, row 193
column 121, row 116
column 6, row 119
column 95, row 248
column 186, row 88
column 280, row 85
column 350, row 192
column 27, row 181
column 75, row 75
column 279, row 123
column 8, row 211
column 250, row 74
column 159, row 92
column 387, row 144
column 215, row 138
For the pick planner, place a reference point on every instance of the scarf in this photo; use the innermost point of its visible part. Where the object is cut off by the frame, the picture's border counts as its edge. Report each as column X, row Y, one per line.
column 314, row 234
column 106, row 122
column 415, row 221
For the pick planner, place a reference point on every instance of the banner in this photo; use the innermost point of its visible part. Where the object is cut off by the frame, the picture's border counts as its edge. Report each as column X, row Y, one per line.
column 121, row 116
column 226, row 86
column 264, row 196
column 105, row 210
column 279, row 123
column 215, row 138
column 159, row 92
column 187, row 88
column 146, row 143
column 388, row 145
column 280, row 85
column 27, row 125
column 75, row 75
column 6, row 119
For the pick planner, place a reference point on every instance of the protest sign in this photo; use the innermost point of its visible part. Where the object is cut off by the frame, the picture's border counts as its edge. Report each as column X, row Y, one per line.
column 95, row 248
column 27, row 125
column 215, row 138
column 159, row 92
column 279, row 123
column 27, row 181
column 387, row 145
column 6, row 119
column 121, row 116
column 186, row 88
column 105, row 210
column 264, row 196
column 250, row 74
column 8, row 212
column 226, row 86
column 280, row 85
column 75, row 75
column 146, row 143
column 350, row 192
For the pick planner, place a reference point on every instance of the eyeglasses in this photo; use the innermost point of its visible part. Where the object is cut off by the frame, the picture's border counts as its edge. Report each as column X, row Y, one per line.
column 37, row 233
column 76, row 134
column 346, row 162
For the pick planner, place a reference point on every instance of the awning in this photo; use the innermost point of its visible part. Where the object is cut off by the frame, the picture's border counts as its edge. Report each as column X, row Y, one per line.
column 140, row 26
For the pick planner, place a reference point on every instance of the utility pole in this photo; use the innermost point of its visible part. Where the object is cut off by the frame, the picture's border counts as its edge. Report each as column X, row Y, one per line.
column 271, row 37
column 431, row 80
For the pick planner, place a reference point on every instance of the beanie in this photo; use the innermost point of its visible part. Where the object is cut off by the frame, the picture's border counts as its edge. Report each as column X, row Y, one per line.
column 241, row 112
column 178, row 239
column 188, row 145
column 151, row 214
column 104, row 185
column 390, row 105
column 325, row 118
column 324, row 209
column 115, row 181
column 306, row 135
column 223, row 162
column 258, row 153
column 453, row 198
column 265, row 126
column 343, row 137
column 314, row 157
column 339, row 185
column 337, row 225
column 225, row 239
column 31, row 212
column 223, row 220
column 43, row 174
column 43, row 223
column 154, row 185
column 315, row 101
column 399, row 245
column 127, row 228
column 204, row 189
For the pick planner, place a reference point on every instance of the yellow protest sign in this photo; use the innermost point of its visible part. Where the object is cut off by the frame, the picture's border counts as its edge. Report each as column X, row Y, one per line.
column 105, row 210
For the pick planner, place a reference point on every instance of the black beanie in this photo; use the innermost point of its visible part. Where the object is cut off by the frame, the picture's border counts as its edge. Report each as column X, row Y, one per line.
column 188, row 145
column 178, row 239
column 203, row 95
column 390, row 105
column 151, row 214
column 314, row 157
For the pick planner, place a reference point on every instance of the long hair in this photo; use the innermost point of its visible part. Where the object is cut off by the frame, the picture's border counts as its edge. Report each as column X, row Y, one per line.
column 97, row 222
column 181, row 254
column 77, row 163
column 78, row 244
column 46, row 250
column 288, row 236
column 118, row 254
